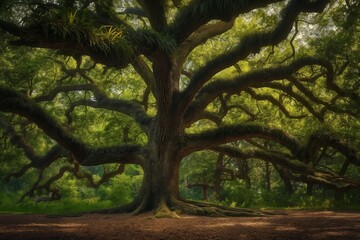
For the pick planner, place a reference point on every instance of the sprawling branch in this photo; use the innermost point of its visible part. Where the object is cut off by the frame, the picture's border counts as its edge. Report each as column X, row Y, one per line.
column 225, row 134
column 275, row 102
column 305, row 153
column 101, row 100
column 251, row 43
column 201, row 12
column 199, row 37
column 80, row 174
column 70, row 88
column 11, row 101
column 74, row 169
column 244, row 81
column 323, row 139
column 128, row 108
column 104, row 178
column 36, row 161
column 303, row 172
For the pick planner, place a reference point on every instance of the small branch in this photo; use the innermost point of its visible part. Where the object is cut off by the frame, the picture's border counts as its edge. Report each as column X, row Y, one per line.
column 273, row 101
column 70, row 88
column 292, row 55
column 104, row 178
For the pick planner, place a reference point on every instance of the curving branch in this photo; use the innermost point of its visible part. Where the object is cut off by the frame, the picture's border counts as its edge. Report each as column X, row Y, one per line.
column 325, row 139
column 273, row 101
column 131, row 109
column 311, row 96
column 301, row 171
column 19, row 173
column 300, row 99
column 251, row 43
column 225, row 134
column 104, row 178
column 77, row 173
column 304, row 152
column 36, row 161
column 197, row 38
column 251, row 79
column 201, row 12
column 11, row 101
column 71, row 88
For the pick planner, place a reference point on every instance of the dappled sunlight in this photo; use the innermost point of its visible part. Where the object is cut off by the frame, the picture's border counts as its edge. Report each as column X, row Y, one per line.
column 237, row 223
column 310, row 225
column 285, row 228
column 35, row 227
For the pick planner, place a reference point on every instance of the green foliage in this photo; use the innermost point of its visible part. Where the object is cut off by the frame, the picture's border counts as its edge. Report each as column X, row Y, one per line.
column 76, row 197
column 71, row 24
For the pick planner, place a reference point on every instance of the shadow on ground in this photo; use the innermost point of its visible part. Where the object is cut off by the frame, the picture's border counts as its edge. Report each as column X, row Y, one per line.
column 325, row 225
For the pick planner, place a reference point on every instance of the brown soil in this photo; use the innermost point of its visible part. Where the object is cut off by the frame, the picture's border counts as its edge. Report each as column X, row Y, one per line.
column 295, row 225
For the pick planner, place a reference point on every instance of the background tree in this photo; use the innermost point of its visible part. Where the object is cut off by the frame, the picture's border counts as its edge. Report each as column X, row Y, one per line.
column 170, row 78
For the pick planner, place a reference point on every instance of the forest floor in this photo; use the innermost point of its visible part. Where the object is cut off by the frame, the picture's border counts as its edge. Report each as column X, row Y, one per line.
column 295, row 225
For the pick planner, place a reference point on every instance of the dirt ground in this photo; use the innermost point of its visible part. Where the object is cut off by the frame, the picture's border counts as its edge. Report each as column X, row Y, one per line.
column 295, row 225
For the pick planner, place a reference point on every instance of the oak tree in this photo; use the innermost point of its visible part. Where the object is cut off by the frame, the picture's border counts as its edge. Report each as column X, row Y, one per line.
column 188, row 63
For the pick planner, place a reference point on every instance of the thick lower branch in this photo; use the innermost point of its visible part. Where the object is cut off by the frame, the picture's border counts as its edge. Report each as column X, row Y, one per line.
column 37, row 161
column 225, row 134
column 303, row 172
column 11, row 101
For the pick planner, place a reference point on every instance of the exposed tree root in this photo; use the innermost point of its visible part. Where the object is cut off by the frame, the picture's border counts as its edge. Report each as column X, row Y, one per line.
column 178, row 207
column 164, row 212
column 213, row 210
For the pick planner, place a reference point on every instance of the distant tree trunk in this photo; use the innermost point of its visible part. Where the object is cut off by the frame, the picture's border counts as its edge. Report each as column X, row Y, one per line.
column 267, row 176
column 338, row 194
column 205, row 192
column 309, row 189
column 217, row 178
column 283, row 173
column 248, row 182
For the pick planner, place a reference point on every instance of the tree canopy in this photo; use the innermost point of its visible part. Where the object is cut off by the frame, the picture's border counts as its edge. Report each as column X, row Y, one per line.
column 221, row 83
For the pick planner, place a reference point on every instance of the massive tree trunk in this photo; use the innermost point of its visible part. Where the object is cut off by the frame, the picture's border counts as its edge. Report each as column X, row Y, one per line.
column 162, row 153
column 160, row 185
column 161, row 176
